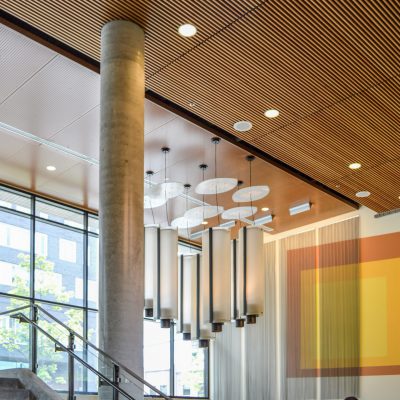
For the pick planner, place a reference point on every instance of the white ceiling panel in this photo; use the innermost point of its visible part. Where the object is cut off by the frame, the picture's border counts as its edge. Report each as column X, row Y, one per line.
column 82, row 181
column 55, row 97
column 10, row 144
column 82, row 135
column 155, row 117
column 15, row 50
column 35, row 157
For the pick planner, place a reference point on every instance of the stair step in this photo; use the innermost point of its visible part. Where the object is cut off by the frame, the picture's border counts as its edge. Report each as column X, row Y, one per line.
column 15, row 394
column 12, row 383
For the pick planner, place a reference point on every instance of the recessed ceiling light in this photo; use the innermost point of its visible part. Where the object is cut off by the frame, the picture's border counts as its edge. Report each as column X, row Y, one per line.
column 265, row 209
column 204, row 223
column 363, row 193
column 51, row 168
column 355, row 165
column 242, row 126
column 271, row 113
column 187, row 30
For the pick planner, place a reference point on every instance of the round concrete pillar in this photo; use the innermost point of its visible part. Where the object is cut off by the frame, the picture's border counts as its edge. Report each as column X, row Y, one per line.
column 121, row 193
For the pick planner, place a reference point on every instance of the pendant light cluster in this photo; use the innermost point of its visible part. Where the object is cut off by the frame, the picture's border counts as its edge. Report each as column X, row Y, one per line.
column 225, row 283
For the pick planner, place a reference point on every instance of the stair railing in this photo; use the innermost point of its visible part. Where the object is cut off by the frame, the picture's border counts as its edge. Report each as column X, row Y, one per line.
column 114, row 382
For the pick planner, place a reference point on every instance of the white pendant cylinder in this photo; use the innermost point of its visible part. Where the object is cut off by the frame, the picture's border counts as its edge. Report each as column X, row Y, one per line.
column 216, row 277
column 250, row 285
column 186, row 277
column 161, row 274
column 200, row 328
column 167, row 279
column 151, row 250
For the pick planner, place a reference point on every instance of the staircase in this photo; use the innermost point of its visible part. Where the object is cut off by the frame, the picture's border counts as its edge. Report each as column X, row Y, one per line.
column 12, row 389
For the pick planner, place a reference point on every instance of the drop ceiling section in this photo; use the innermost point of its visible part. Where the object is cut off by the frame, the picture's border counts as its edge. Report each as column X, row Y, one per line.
column 57, row 100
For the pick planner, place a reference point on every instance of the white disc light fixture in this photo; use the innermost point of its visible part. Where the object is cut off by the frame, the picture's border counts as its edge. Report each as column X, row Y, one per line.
column 185, row 223
column 239, row 212
column 203, row 212
column 216, row 185
column 250, row 193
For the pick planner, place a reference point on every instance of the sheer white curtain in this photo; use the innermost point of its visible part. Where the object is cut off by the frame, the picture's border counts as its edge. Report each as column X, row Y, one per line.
column 227, row 364
column 297, row 318
column 339, row 320
column 260, row 340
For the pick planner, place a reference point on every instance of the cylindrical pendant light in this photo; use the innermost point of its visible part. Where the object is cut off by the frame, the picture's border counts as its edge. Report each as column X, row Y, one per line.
column 216, row 270
column 186, row 275
column 151, row 256
column 250, row 275
column 167, row 277
column 161, row 274
column 200, row 329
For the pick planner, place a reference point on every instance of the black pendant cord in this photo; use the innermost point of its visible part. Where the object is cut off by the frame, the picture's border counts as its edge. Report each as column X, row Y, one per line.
column 216, row 142
column 166, row 150
column 149, row 175
column 250, row 159
column 187, row 188
column 240, row 183
column 203, row 168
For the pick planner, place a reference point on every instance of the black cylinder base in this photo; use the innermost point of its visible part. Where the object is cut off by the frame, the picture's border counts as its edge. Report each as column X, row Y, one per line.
column 239, row 323
column 186, row 336
column 251, row 319
column 203, row 343
column 148, row 313
column 165, row 323
column 216, row 326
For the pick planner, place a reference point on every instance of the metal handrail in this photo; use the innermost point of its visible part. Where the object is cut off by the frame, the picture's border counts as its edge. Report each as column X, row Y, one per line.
column 71, row 331
column 73, row 354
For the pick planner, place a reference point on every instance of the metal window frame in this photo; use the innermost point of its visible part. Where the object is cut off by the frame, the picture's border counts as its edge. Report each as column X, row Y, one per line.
column 31, row 299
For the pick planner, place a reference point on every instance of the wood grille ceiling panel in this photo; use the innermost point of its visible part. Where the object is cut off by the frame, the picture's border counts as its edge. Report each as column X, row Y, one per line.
column 331, row 68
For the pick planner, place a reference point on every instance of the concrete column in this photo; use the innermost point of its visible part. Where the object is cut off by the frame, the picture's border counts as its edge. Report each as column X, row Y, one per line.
column 121, row 193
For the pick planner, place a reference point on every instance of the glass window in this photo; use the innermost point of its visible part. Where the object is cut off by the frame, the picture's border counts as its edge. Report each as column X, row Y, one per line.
column 189, row 363
column 14, row 337
column 157, row 356
column 93, row 224
column 59, row 213
column 15, row 200
column 67, row 250
column 41, row 244
column 93, row 271
column 55, row 276
column 14, row 254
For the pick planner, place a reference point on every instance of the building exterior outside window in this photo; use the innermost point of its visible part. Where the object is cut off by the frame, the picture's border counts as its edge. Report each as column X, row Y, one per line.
column 49, row 254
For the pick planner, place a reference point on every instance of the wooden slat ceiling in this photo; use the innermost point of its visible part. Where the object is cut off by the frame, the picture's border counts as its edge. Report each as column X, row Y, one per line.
column 330, row 67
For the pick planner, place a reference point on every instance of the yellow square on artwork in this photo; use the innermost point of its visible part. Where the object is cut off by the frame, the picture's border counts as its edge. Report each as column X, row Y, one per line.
column 379, row 306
